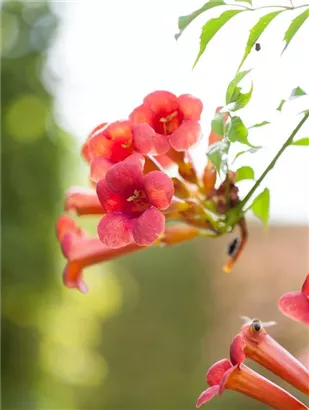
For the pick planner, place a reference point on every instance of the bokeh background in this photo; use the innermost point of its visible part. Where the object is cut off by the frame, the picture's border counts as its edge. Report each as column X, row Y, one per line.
column 153, row 322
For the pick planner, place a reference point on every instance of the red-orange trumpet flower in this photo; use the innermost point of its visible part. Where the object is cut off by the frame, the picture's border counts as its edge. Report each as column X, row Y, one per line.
column 295, row 305
column 82, row 250
column 255, row 343
column 223, row 375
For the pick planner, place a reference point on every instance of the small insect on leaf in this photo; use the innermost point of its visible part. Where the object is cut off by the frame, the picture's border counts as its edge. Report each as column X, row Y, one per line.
column 257, row 46
column 256, row 32
column 232, row 247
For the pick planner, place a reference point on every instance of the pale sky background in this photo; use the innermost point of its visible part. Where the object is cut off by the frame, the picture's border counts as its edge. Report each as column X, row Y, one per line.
column 110, row 53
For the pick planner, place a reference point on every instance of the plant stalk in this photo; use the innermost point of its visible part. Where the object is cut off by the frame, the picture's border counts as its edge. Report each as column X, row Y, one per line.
column 237, row 212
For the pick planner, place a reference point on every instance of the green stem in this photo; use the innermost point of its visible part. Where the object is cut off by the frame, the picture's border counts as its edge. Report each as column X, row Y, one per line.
column 273, row 162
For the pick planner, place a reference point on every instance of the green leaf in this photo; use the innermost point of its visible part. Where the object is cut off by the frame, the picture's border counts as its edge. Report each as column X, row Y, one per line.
column 212, row 27
column 238, row 132
column 297, row 92
column 231, row 90
column 244, row 172
column 248, row 151
column 234, row 96
column 184, row 21
column 294, row 27
column 280, row 106
column 242, row 100
column 260, row 124
column 260, row 206
column 302, row 141
column 217, row 152
column 217, row 124
column 256, row 32
column 245, row 1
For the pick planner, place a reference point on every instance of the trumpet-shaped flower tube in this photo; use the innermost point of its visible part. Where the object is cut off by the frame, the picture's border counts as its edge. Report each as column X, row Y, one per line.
column 255, row 343
column 83, row 201
column 223, row 375
column 82, row 251
column 295, row 305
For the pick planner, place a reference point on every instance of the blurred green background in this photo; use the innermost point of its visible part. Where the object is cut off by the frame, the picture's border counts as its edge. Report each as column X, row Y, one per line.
column 152, row 323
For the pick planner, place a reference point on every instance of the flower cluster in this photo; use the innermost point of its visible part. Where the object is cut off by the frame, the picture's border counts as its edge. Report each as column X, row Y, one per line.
column 145, row 186
column 255, row 343
column 146, row 190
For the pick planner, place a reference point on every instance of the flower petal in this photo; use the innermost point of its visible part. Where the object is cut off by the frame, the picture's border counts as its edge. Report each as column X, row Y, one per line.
column 98, row 168
column 148, row 227
column 72, row 277
column 137, row 159
column 295, row 305
column 115, row 230
column 207, row 395
column 65, row 224
column 98, row 129
column 217, row 371
column 305, row 287
column 143, row 137
column 237, row 350
column 225, row 378
column 67, row 243
column 118, row 130
column 85, row 151
column 159, row 189
column 186, row 135
column 114, row 142
column 124, row 178
column 110, row 201
column 161, row 144
column 190, row 107
column 161, row 102
column 142, row 114
column 98, row 146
